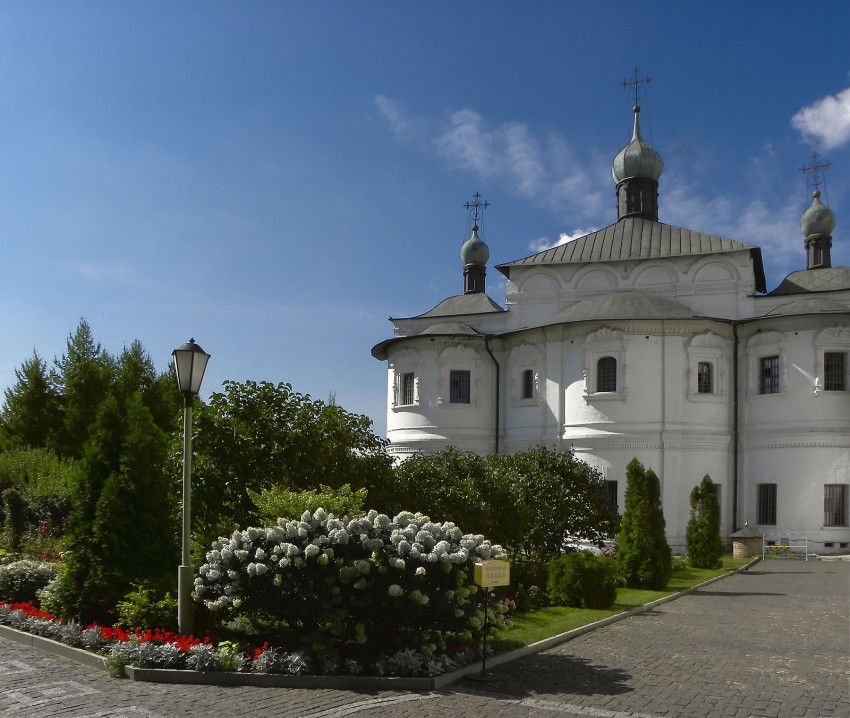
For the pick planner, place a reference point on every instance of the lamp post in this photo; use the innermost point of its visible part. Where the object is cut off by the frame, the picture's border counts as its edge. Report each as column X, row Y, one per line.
column 190, row 362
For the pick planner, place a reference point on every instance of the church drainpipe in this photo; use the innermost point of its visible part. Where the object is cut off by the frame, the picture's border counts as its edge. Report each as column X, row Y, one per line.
column 735, row 443
column 498, row 389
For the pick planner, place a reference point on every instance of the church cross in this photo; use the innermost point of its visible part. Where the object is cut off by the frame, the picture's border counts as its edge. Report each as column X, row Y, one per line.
column 814, row 169
column 636, row 83
column 477, row 207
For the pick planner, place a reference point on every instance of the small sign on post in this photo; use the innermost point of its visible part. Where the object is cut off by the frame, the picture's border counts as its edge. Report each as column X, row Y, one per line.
column 489, row 574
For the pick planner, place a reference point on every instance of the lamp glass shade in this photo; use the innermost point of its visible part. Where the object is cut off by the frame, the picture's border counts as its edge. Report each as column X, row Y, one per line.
column 190, row 362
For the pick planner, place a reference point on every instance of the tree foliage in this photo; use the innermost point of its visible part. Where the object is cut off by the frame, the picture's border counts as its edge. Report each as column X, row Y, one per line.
column 31, row 413
column 278, row 502
column 703, row 542
column 645, row 559
column 256, row 435
column 122, row 524
column 529, row 502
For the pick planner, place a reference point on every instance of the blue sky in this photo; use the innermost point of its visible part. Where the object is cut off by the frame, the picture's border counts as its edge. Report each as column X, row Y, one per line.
column 275, row 179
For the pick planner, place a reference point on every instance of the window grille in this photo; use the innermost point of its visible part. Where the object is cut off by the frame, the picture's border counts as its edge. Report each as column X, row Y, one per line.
column 606, row 374
column 835, row 505
column 834, row 371
column 766, row 508
column 407, row 384
column 705, row 378
column 770, row 375
column 527, row 384
column 459, row 386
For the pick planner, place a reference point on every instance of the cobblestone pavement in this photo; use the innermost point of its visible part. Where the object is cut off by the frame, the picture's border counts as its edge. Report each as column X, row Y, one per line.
column 773, row 641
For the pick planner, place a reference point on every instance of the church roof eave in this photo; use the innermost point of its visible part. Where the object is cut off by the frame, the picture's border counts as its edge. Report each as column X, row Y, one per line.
column 460, row 305
column 636, row 238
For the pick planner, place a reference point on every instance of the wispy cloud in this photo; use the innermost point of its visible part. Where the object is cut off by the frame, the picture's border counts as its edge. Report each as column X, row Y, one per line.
column 544, row 170
column 826, row 121
column 402, row 124
column 104, row 272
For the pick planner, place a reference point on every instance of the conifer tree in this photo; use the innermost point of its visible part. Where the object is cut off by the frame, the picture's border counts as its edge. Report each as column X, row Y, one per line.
column 31, row 413
column 644, row 557
column 702, row 535
column 83, row 377
column 123, row 526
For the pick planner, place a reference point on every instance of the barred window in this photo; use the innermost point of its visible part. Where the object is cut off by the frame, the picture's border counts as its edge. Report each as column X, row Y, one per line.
column 407, row 384
column 834, row 371
column 769, row 375
column 835, row 505
column 527, row 384
column 459, row 386
column 606, row 374
column 766, row 504
column 611, row 495
column 705, row 378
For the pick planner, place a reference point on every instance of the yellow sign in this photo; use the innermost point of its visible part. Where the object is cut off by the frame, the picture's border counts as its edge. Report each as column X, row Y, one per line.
column 492, row 573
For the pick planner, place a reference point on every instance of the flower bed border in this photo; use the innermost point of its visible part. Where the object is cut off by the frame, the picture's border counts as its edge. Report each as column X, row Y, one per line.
column 398, row 683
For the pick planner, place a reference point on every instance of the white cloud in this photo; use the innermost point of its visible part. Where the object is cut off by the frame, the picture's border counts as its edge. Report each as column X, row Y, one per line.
column 400, row 121
column 544, row 243
column 827, row 120
column 544, row 170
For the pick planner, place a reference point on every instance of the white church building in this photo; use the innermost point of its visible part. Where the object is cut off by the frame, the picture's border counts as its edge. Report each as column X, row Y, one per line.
column 651, row 341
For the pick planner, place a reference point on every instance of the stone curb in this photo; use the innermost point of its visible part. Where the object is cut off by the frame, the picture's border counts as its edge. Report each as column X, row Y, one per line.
column 221, row 678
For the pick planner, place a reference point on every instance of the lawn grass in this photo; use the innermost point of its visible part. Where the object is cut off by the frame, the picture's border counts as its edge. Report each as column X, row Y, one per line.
column 536, row 626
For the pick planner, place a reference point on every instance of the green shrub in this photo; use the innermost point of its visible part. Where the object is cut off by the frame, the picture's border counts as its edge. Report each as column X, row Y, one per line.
column 354, row 588
column 19, row 581
column 582, row 580
column 147, row 607
column 645, row 560
column 702, row 537
column 15, row 522
column 279, row 502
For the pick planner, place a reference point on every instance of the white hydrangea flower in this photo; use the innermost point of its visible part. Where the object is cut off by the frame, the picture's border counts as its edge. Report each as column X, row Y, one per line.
column 395, row 590
column 311, row 551
column 421, row 571
column 259, row 554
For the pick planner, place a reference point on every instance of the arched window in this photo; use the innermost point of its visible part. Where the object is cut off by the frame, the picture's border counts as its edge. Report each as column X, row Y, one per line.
column 606, row 374
column 705, row 378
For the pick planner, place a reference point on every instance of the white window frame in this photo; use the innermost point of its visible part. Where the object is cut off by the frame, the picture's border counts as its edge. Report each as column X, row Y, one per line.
column 406, row 361
column 835, row 340
column 461, row 357
column 762, row 346
column 605, row 342
column 525, row 358
column 709, row 348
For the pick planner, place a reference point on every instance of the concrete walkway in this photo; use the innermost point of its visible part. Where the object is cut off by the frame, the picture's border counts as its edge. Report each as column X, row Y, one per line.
column 772, row 641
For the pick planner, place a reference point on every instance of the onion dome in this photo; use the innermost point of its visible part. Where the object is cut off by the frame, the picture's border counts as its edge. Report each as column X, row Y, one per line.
column 638, row 158
column 474, row 254
column 817, row 219
column 475, row 249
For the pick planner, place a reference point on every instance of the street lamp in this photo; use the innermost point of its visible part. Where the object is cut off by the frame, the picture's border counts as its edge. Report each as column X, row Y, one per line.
column 190, row 361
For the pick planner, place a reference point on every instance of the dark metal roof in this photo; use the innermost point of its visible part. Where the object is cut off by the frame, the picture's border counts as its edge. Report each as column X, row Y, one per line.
column 635, row 238
column 825, row 279
column 623, row 305
column 461, row 305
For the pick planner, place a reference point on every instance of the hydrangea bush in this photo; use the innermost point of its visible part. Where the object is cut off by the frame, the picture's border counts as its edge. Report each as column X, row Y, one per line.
column 363, row 588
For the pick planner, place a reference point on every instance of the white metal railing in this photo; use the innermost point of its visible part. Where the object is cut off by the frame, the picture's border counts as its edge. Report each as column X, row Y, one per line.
column 785, row 544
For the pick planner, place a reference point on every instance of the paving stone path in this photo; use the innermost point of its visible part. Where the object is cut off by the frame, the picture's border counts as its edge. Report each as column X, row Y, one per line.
column 770, row 642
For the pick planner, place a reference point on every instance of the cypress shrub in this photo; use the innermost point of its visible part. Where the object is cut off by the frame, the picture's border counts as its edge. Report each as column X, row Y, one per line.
column 702, row 536
column 644, row 558
column 582, row 580
column 15, row 524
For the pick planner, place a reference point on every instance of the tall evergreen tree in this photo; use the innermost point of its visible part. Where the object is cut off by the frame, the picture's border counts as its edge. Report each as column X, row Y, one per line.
column 645, row 559
column 123, row 525
column 702, row 536
column 31, row 414
column 83, row 377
